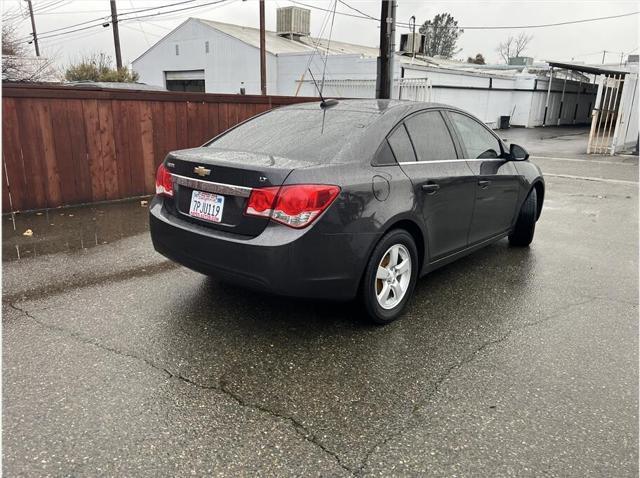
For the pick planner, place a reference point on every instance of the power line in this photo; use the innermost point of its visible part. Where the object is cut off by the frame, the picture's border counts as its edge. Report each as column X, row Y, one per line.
column 359, row 11
column 155, row 8
column 324, row 68
column 178, row 10
column 571, row 22
column 472, row 27
column 105, row 19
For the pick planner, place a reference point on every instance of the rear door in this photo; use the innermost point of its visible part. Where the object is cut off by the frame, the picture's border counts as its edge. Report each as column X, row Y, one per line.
column 444, row 185
column 498, row 182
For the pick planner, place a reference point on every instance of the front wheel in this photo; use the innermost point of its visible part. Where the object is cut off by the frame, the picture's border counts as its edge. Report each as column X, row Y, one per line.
column 390, row 277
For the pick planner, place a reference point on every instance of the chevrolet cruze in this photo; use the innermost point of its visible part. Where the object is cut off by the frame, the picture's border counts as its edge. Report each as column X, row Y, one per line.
column 346, row 199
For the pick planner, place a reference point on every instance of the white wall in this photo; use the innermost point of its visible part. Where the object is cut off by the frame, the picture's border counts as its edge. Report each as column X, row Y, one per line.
column 522, row 96
column 228, row 63
column 291, row 68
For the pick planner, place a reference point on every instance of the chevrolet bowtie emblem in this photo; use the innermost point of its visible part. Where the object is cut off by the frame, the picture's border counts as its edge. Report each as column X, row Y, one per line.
column 201, row 171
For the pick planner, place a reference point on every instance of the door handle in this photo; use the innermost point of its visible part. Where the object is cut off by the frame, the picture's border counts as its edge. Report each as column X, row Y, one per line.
column 430, row 188
column 484, row 184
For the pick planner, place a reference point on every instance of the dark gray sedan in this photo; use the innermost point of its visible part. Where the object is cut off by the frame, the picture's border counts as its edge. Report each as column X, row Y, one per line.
column 354, row 199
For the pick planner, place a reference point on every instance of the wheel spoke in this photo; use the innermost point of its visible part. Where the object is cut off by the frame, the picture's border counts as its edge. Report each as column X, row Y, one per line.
column 382, row 273
column 393, row 256
column 383, row 296
column 403, row 266
column 397, row 290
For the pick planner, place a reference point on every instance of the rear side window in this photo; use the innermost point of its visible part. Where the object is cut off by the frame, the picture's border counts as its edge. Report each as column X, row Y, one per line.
column 431, row 137
column 314, row 135
column 477, row 139
column 401, row 145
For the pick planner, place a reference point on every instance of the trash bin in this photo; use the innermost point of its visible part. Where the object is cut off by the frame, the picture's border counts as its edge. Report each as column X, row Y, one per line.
column 505, row 121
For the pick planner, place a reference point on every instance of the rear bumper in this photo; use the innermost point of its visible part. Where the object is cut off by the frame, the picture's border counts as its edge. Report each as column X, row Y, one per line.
column 281, row 260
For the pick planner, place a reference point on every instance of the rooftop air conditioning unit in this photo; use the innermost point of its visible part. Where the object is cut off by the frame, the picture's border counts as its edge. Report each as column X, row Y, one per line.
column 412, row 43
column 521, row 61
column 293, row 21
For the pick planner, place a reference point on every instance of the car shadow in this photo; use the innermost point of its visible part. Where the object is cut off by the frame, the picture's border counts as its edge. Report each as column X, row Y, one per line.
column 254, row 311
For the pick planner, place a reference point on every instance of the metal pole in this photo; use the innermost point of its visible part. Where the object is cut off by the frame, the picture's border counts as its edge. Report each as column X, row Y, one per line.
column 33, row 28
column 263, row 54
column 564, row 87
column 604, row 54
column 595, row 115
column 116, row 33
column 575, row 111
column 412, row 21
column 546, row 104
column 384, row 77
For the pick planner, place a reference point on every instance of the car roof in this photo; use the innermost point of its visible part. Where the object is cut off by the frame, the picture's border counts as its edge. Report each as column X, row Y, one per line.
column 368, row 105
column 390, row 111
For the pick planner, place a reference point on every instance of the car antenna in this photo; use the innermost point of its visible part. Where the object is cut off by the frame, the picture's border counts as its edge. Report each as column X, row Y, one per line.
column 323, row 103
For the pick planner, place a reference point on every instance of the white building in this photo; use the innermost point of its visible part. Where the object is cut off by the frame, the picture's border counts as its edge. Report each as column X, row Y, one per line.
column 203, row 55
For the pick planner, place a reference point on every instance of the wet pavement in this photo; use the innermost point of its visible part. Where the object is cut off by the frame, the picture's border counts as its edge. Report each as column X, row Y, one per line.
column 510, row 362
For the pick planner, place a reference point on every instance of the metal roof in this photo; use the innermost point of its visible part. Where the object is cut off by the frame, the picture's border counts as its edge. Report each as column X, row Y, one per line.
column 278, row 45
column 593, row 69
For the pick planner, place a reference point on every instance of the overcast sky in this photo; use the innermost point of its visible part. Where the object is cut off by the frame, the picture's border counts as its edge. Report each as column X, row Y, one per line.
column 582, row 42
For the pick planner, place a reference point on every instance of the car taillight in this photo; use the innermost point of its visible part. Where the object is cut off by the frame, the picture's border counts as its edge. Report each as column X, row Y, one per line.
column 296, row 205
column 164, row 183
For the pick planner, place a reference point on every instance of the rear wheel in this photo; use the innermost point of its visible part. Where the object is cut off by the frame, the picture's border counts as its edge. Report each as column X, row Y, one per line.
column 522, row 233
column 390, row 277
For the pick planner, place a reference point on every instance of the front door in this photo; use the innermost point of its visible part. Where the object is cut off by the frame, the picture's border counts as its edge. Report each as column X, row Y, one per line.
column 444, row 185
column 498, row 182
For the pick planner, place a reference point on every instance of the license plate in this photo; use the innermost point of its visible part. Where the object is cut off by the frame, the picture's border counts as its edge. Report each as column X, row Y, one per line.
column 206, row 206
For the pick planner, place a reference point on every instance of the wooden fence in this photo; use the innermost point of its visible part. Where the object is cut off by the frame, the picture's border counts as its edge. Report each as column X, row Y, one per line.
column 74, row 145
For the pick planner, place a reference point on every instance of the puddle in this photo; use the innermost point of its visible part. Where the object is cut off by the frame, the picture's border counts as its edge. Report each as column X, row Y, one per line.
column 71, row 228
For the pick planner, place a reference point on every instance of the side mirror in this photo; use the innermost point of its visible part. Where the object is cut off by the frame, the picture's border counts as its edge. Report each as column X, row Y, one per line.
column 518, row 153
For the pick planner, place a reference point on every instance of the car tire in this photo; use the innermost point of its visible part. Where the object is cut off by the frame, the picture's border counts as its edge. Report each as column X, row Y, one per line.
column 398, row 243
column 522, row 233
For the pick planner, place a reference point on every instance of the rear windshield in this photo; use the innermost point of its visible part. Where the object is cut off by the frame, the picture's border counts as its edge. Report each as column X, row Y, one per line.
column 309, row 135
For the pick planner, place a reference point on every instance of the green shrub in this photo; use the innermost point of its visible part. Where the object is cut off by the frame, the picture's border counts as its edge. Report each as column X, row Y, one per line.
column 98, row 67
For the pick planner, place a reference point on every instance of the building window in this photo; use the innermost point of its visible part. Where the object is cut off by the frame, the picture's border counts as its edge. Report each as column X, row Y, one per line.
column 177, row 50
column 206, row 47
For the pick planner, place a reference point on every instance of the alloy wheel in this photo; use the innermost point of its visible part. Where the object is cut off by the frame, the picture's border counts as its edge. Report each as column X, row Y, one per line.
column 393, row 276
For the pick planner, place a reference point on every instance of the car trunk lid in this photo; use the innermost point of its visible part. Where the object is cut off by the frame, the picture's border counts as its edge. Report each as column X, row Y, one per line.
column 230, row 174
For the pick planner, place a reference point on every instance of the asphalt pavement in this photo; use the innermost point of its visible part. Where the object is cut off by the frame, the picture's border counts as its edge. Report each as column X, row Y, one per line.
column 510, row 362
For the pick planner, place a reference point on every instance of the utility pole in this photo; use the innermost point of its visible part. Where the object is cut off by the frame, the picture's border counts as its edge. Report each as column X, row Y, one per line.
column 412, row 24
column 33, row 28
column 263, row 53
column 384, row 80
column 116, row 33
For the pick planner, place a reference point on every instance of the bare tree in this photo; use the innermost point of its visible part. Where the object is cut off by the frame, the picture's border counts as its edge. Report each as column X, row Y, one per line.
column 513, row 46
column 12, row 49
column 17, row 64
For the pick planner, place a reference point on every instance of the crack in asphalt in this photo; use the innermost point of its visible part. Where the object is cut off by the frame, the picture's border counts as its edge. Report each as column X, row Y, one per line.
column 304, row 432
column 413, row 420
column 298, row 426
column 221, row 388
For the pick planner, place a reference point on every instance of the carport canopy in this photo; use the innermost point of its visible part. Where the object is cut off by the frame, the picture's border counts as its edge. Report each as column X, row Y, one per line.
column 605, row 120
column 594, row 70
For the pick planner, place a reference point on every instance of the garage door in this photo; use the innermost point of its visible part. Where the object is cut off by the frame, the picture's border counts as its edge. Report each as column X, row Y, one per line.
column 187, row 80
